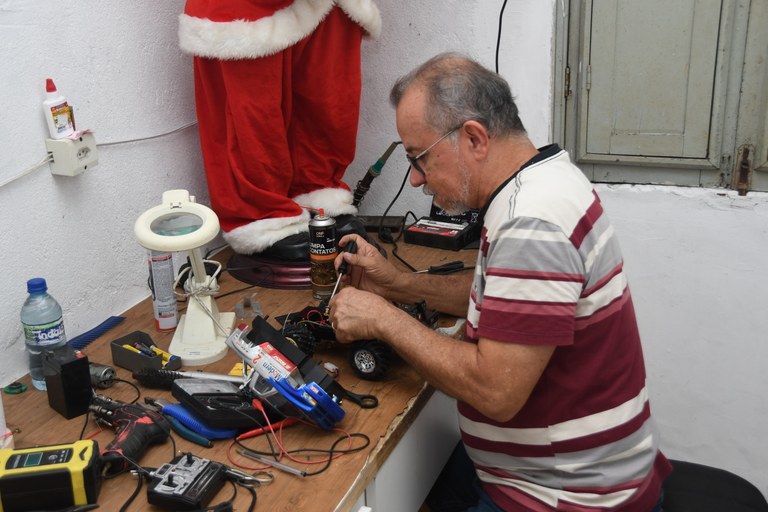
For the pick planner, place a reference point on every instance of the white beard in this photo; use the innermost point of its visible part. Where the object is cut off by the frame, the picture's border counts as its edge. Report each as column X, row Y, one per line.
column 453, row 206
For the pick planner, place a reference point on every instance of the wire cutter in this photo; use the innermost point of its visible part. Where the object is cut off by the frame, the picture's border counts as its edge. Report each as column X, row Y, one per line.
column 187, row 433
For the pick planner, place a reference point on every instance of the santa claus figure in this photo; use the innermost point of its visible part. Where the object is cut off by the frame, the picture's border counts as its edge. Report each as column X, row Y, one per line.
column 277, row 87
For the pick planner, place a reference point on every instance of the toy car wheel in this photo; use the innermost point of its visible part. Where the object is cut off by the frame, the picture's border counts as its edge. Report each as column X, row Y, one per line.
column 302, row 337
column 370, row 359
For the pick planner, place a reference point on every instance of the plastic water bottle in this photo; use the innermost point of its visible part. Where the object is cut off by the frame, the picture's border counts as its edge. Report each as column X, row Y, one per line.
column 43, row 327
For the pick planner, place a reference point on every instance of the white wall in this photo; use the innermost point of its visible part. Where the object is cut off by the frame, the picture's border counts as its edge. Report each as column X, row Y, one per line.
column 696, row 264
column 119, row 66
column 695, row 258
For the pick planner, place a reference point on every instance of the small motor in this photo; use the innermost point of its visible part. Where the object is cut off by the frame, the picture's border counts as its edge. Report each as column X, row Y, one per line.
column 102, row 376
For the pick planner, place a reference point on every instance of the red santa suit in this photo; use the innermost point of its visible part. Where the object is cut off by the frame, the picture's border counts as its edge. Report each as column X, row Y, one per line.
column 277, row 86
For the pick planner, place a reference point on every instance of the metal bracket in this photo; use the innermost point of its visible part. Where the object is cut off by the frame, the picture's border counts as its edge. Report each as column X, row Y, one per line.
column 742, row 172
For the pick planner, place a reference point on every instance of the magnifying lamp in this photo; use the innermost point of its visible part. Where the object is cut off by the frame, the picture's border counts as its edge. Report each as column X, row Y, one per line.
column 180, row 224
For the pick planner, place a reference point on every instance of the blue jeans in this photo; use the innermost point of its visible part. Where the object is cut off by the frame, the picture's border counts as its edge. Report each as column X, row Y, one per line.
column 458, row 489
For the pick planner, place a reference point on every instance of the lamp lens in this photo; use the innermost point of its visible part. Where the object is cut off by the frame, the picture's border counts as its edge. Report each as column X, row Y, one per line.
column 176, row 224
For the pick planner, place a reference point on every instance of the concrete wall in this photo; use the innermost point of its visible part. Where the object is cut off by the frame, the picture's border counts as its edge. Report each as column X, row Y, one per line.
column 694, row 257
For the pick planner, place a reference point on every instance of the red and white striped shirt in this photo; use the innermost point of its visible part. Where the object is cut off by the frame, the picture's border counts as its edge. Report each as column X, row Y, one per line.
column 550, row 272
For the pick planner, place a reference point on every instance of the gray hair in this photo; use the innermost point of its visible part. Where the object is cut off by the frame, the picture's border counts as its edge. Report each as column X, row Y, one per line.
column 458, row 90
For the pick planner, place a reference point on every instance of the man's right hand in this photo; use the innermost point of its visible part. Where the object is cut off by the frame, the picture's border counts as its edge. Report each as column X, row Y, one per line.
column 367, row 269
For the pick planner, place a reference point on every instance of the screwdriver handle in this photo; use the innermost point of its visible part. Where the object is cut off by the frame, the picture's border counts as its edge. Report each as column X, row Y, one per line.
column 351, row 247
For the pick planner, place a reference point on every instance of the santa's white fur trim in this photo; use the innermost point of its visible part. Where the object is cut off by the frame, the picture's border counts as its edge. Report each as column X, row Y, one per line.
column 260, row 235
column 241, row 39
column 334, row 201
column 364, row 13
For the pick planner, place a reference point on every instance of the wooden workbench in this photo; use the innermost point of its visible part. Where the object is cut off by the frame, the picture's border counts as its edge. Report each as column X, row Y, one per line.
column 401, row 397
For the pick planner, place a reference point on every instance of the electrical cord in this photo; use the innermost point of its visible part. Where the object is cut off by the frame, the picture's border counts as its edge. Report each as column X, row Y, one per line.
column 498, row 38
column 48, row 158
column 332, row 453
column 385, row 235
column 149, row 137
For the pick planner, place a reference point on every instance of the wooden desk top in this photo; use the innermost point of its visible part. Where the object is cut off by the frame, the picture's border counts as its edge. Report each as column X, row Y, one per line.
column 401, row 396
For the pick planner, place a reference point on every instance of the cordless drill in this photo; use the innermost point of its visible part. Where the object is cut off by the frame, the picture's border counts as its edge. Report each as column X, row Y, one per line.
column 135, row 429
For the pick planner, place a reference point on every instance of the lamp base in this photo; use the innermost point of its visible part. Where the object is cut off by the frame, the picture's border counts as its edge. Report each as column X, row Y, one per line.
column 198, row 340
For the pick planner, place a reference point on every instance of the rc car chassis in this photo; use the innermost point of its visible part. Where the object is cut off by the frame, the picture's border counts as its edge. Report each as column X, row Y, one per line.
column 370, row 359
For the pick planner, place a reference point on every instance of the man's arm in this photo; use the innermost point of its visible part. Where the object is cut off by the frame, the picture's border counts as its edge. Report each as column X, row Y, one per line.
column 494, row 377
column 445, row 293
column 370, row 271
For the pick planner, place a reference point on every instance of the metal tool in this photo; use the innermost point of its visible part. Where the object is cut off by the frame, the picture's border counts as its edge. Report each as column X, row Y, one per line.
column 271, row 462
column 351, row 247
column 189, row 420
column 177, row 426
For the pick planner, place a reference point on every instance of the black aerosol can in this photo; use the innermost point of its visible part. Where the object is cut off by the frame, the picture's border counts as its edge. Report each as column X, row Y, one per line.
column 322, row 252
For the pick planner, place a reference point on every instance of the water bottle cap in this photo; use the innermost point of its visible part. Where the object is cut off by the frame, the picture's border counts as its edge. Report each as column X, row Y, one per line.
column 36, row 285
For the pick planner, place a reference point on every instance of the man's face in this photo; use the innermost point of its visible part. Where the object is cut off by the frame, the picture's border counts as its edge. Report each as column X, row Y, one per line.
column 436, row 162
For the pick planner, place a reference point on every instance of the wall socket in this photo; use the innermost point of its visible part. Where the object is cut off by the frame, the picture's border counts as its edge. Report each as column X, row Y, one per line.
column 72, row 156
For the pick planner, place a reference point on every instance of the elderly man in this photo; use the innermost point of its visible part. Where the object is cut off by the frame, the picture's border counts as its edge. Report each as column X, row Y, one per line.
column 549, row 378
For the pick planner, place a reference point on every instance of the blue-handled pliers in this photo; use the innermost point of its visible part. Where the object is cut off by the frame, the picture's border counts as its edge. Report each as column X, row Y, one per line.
column 177, row 426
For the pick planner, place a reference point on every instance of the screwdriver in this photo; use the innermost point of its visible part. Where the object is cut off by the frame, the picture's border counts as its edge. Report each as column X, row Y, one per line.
column 352, row 248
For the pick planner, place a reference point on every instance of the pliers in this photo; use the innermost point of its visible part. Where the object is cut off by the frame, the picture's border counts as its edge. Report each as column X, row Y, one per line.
column 177, row 426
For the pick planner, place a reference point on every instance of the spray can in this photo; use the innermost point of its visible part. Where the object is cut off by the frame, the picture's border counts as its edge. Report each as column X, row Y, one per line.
column 58, row 113
column 322, row 252
column 161, row 281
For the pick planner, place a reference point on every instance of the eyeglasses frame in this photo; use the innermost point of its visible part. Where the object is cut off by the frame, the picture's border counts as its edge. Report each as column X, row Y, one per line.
column 414, row 160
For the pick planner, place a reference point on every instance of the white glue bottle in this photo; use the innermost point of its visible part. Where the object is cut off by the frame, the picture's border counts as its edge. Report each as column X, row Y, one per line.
column 58, row 114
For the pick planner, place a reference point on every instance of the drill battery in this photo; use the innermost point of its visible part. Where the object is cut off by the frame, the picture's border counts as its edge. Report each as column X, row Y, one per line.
column 49, row 477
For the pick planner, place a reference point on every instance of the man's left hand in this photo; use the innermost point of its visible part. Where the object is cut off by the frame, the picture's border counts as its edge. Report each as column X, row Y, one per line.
column 359, row 315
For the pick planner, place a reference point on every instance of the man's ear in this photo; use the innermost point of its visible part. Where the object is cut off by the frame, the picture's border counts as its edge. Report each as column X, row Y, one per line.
column 478, row 139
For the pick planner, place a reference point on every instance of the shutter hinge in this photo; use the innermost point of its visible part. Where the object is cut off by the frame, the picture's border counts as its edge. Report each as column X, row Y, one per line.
column 742, row 173
column 567, row 86
column 589, row 77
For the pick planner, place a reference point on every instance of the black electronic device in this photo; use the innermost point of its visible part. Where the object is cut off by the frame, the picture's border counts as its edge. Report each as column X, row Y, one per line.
column 68, row 380
column 444, row 231
column 188, row 482
column 372, row 223
column 220, row 404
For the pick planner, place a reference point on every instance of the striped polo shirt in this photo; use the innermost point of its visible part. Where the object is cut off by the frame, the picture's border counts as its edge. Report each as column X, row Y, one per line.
column 550, row 272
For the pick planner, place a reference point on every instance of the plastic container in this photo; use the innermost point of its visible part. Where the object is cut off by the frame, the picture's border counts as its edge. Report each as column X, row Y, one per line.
column 43, row 324
column 58, row 113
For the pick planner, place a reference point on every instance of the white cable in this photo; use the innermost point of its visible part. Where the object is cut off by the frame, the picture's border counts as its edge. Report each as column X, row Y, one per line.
column 147, row 138
column 48, row 158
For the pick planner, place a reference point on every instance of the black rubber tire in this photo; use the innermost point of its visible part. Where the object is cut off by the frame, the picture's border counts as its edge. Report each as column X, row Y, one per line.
column 370, row 359
column 302, row 337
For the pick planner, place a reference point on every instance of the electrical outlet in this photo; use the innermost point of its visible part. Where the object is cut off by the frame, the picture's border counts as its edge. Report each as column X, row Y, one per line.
column 72, row 156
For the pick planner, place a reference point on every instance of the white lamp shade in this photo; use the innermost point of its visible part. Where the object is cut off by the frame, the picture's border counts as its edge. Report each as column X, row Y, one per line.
column 178, row 224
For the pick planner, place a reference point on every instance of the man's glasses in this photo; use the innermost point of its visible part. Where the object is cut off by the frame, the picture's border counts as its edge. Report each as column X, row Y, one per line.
column 414, row 160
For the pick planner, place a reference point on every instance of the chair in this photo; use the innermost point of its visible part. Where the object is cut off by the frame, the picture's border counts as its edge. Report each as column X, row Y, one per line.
column 698, row 488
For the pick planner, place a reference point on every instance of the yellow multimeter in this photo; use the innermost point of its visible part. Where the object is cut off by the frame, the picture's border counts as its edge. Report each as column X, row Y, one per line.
column 53, row 476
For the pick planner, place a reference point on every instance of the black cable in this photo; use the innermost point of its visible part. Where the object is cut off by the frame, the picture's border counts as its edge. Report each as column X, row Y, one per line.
column 127, row 503
column 329, row 452
column 386, row 235
column 498, row 38
column 134, row 386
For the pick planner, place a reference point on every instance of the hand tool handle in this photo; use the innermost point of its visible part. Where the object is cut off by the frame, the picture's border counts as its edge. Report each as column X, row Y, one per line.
column 135, row 429
column 351, row 247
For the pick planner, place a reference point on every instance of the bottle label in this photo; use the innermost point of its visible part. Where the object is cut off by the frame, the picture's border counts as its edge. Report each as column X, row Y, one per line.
column 62, row 118
column 46, row 334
